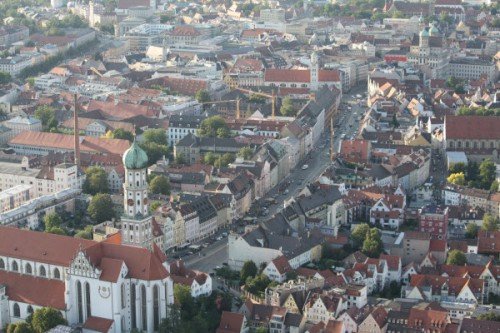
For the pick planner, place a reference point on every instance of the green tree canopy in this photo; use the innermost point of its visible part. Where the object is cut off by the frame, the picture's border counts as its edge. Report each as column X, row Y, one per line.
column 85, row 233
column 47, row 115
column 490, row 223
column 456, row 257
column 23, row 327
column 101, row 208
column 154, row 151
column 52, row 220
column 287, row 109
column 372, row 245
column 120, row 133
column 159, row 185
column 56, row 231
column 96, row 180
column 471, row 230
column 258, row 284
column 246, row 153
column 487, row 173
column 182, row 294
column 456, row 178
column 202, row 96
column 45, row 319
column 157, row 136
column 491, row 316
column 209, row 158
column 180, row 158
column 358, row 235
column 214, row 126
column 249, row 269
column 5, row 78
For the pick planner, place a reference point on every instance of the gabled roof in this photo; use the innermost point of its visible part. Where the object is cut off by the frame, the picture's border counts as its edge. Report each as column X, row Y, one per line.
column 231, row 322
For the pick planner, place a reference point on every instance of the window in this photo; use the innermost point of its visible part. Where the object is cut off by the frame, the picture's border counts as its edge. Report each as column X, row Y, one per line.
column 124, row 301
column 2, row 264
column 29, row 309
column 144, row 310
column 156, row 307
column 79, row 301
column 28, row 269
column 17, row 310
column 57, row 274
column 15, row 268
column 132, row 306
column 87, row 300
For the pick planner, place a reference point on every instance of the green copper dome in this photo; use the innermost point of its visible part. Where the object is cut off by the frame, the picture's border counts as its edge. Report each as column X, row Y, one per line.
column 433, row 31
column 135, row 157
column 424, row 33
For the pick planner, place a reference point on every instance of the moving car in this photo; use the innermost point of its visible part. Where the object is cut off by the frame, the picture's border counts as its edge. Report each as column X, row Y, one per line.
column 305, row 167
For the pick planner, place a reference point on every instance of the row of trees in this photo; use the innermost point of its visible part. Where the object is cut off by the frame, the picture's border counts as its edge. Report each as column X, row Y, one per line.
column 42, row 320
column 474, row 175
column 478, row 111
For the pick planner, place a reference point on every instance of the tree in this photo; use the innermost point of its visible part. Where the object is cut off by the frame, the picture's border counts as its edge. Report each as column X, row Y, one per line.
column 225, row 160
column 210, row 126
column 487, row 173
column 120, row 133
column 209, row 158
column 52, row 220
column 182, row 294
column 154, row 205
column 456, row 257
column 23, row 327
column 249, row 269
column 180, row 159
column 257, row 284
column 358, row 235
column 101, row 208
column 490, row 223
column 172, row 322
column 457, row 168
column 261, row 329
column 154, row 151
column 456, row 178
column 372, row 245
column 47, row 115
column 96, row 181
column 56, row 231
column 85, row 233
column 202, row 96
column 159, row 185
column 5, row 78
column 471, row 230
column 157, row 136
column 287, row 109
column 494, row 186
column 491, row 316
column 45, row 319
column 245, row 153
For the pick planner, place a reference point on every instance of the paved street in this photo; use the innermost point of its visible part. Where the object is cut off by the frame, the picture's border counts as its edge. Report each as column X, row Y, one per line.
column 210, row 257
column 217, row 253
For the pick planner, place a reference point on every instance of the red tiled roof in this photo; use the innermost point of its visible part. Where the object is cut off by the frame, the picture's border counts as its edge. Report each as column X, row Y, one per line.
column 282, row 265
column 61, row 250
column 98, row 324
column 184, row 30
column 437, row 245
column 287, row 75
column 34, row 290
column 58, row 141
column 472, row 127
column 231, row 322
column 393, row 262
column 487, row 242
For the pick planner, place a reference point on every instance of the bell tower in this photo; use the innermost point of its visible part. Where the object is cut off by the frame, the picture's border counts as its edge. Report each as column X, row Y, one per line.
column 136, row 222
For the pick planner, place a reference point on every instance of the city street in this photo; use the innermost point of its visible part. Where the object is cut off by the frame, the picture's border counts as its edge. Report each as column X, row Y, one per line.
column 217, row 253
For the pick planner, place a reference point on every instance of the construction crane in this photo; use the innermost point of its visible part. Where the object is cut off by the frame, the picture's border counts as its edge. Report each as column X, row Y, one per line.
column 258, row 93
column 238, row 115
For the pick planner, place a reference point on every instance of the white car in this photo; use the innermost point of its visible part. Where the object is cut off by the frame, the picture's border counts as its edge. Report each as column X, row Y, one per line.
column 305, row 166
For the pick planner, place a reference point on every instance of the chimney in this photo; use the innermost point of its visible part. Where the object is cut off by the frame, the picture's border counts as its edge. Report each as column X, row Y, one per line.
column 76, row 134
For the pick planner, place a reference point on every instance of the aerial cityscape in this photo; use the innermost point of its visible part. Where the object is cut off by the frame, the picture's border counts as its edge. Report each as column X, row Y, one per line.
column 250, row 166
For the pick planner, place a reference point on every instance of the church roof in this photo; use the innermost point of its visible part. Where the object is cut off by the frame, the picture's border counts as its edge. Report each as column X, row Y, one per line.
column 135, row 157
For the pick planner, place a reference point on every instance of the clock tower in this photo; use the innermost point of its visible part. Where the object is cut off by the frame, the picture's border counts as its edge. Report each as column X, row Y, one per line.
column 136, row 222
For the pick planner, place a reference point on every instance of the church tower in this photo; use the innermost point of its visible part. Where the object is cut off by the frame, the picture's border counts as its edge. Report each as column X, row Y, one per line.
column 136, row 222
column 314, row 71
